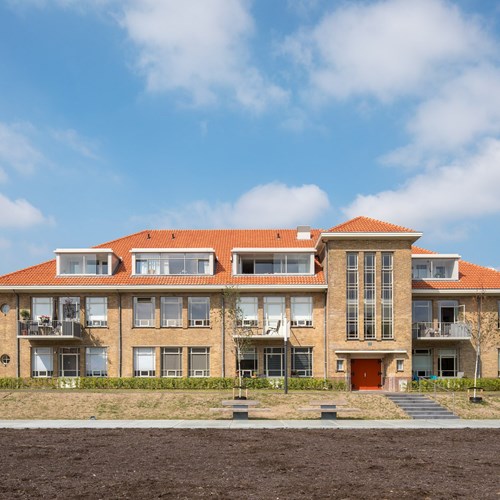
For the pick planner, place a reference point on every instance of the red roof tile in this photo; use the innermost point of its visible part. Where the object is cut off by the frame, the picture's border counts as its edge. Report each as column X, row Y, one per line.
column 367, row 225
column 222, row 241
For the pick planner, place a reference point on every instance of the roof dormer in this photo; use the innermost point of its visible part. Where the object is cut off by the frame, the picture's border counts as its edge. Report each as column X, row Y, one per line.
column 85, row 261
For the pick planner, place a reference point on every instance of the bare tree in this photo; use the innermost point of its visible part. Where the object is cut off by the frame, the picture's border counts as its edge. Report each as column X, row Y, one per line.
column 232, row 316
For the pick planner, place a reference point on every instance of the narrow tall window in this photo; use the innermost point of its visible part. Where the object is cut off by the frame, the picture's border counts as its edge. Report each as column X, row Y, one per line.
column 352, row 293
column 171, row 362
column 144, row 311
column 301, row 311
column 302, row 361
column 248, row 309
column 42, row 362
column 199, row 311
column 199, row 362
column 171, row 311
column 369, row 296
column 144, row 362
column 387, row 292
column 96, row 311
column 96, row 362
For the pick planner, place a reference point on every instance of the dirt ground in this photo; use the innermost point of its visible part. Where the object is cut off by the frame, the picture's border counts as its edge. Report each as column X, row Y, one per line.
column 253, row 464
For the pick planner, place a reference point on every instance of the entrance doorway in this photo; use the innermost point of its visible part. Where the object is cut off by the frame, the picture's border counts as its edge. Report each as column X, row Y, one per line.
column 447, row 363
column 366, row 374
column 69, row 362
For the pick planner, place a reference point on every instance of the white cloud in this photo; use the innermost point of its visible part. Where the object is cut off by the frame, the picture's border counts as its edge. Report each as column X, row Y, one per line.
column 199, row 48
column 76, row 142
column 386, row 49
column 272, row 205
column 448, row 194
column 19, row 213
column 16, row 150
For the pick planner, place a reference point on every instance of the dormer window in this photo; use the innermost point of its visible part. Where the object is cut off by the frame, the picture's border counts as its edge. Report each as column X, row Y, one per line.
column 267, row 261
column 162, row 262
column 435, row 267
column 85, row 262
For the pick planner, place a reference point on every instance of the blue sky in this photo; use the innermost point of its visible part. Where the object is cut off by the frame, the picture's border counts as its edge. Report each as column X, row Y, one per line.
column 117, row 116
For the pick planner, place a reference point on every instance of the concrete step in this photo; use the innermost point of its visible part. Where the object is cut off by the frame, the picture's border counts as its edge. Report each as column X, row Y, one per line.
column 418, row 406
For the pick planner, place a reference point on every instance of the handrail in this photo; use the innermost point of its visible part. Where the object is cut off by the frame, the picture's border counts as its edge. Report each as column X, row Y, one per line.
column 444, row 389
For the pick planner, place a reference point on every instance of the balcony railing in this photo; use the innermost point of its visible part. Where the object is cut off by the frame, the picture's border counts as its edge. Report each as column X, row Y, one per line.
column 276, row 330
column 441, row 330
column 49, row 330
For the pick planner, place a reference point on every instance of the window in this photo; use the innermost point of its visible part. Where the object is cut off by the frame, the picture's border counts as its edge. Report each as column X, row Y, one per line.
column 171, row 311
column 273, row 361
column 199, row 362
column 447, row 363
column 96, row 311
column 69, row 308
column 499, row 362
column 199, row 311
column 96, row 362
column 144, row 311
column 248, row 311
column 42, row 362
column 248, row 362
column 369, row 296
column 387, row 290
column 174, row 263
column 498, row 314
column 69, row 362
column 421, row 317
column 352, row 296
column 86, row 264
column 302, row 361
column 422, row 362
column 171, row 362
column 435, row 268
column 340, row 365
column 274, row 313
column 400, row 365
column 144, row 362
column 275, row 263
column 42, row 306
column 302, row 311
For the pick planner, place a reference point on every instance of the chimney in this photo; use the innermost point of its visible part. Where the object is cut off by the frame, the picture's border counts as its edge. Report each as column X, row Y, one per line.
column 303, row 232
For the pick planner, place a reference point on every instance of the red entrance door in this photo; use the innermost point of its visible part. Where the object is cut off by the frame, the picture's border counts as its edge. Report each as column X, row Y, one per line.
column 366, row 374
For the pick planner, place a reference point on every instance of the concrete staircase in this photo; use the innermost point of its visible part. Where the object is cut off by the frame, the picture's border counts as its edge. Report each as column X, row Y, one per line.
column 418, row 406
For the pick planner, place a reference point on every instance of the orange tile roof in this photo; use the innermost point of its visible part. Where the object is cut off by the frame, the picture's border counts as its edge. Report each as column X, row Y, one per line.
column 367, row 225
column 222, row 241
column 470, row 277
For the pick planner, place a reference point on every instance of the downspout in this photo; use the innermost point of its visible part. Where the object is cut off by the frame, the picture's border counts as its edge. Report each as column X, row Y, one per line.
column 119, row 334
column 327, row 299
column 223, row 337
column 18, row 340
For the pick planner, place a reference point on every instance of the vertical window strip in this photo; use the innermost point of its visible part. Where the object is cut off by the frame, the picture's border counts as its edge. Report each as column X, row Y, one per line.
column 369, row 296
column 352, row 292
column 387, row 296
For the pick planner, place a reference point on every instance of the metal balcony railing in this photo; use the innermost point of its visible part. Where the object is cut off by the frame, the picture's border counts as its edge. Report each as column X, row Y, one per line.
column 49, row 329
column 441, row 330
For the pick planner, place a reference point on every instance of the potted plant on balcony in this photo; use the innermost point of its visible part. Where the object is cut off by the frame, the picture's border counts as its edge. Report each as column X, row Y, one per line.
column 44, row 320
column 25, row 316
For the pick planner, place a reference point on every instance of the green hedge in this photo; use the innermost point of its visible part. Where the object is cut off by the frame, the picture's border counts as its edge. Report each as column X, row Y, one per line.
column 167, row 383
column 456, row 384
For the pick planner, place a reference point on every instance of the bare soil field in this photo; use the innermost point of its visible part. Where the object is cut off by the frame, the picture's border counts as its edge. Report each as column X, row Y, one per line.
column 250, row 464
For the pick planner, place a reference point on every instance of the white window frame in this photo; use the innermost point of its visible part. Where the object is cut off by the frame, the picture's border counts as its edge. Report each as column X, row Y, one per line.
column 73, row 301
column 271, row 352
column 194, row 352
column 173, row 353
column 387, row 296
column 201, row 322
column 69, row 352
column 301, row 372
column 42, row 303
column 140, row 357
column 400, row 365
column 271, row 315
column 158, row 263
column 96, row 362
column 172, row 322
column 248, row 311
column 42, row 357
column 301, row 320
column 352, row 296
column 340, row 365
column 279, row 261
column 369, row 295
column 96, row 320
column 144, row 322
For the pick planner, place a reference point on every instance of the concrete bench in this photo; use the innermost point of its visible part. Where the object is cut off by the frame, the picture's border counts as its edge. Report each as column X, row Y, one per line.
column 240, row 408
column 328, row 409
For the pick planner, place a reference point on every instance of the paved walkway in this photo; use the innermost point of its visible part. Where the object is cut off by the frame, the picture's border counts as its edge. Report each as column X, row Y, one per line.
column 250, row 424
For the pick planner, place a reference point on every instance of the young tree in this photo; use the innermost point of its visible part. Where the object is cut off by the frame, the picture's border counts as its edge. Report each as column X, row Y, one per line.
column 232, row 317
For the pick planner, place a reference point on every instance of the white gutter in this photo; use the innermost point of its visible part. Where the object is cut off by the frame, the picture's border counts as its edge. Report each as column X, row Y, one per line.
column 455, row 291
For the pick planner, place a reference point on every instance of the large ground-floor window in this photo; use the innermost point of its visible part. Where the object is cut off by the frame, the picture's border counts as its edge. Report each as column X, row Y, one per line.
column 96, row 362
column 199, row 362
column 248, row 363
column 274, row 362
column 144, row 362
column 171, row 362
column 422, row 363
column 42, row 362
column 302, row 361
column 447, row 363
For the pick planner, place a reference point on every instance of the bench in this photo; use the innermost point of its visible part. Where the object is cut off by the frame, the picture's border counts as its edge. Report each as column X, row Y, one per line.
column 328, row 409
column 240, row 408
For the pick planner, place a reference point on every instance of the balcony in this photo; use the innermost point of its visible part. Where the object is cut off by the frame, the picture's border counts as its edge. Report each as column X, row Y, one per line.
column 275, row 330
column 443, row 331
column 49, row 330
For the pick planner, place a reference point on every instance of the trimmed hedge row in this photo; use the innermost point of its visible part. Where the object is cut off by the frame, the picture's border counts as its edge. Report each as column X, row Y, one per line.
column 456, row 384
column 167, row 383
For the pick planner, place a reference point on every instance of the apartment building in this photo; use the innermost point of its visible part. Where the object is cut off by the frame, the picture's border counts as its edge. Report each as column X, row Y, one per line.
column 358, row 302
